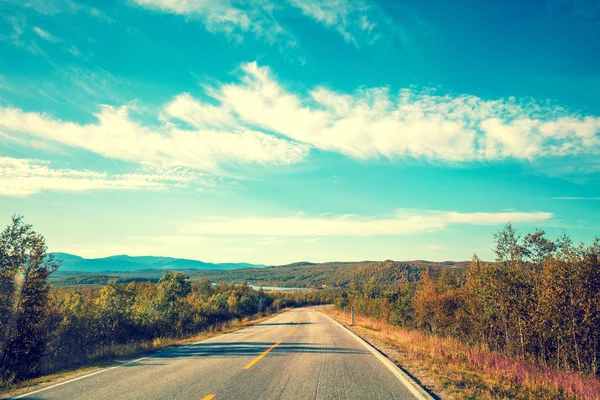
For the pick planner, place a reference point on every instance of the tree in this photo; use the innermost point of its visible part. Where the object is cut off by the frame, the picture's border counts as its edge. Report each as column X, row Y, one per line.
column 172, row 289
column 25, row 261
column 508, row 248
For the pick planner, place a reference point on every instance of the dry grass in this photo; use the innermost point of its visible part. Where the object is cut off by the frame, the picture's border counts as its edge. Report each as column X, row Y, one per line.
column 454, row 370
column 118, row 353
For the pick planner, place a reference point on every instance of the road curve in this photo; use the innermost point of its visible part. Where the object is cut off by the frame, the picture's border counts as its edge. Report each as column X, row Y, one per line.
column 300, row 354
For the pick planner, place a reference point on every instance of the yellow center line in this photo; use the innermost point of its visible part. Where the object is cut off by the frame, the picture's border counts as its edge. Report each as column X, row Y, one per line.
column 297, row 325
column 209, row 397
column 263, row 354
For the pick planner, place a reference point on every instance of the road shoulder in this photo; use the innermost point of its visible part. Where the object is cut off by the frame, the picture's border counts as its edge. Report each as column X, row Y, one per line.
column 413, row 384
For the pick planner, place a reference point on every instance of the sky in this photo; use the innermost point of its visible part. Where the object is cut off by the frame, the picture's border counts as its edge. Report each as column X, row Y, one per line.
column 279, row 131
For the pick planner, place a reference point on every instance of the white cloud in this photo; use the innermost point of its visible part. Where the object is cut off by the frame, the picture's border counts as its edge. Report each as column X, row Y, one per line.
column 116, row 135
column 257, row 120
column 373, row 122
column 22, row 177
column 185, row 108
column 405, row 222
column 45, row 34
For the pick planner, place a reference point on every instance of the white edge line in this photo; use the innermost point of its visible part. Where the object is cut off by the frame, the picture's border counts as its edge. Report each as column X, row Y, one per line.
column 402, row 376
column 123, row 363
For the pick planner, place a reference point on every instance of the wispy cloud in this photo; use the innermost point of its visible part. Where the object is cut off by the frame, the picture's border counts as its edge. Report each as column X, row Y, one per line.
column 74, row 51
column 347, row 17
column 45, row 35
column 15, row 34
column 23, row 177
column 405, row 222
column 12, row 29
column 358, row 21
column 56, row 7
column 233, row 18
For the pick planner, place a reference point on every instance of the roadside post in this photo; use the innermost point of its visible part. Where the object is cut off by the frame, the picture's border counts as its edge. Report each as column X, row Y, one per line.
column 352, row 321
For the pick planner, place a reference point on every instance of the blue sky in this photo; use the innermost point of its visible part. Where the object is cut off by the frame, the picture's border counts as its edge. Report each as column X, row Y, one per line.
column 279, row 131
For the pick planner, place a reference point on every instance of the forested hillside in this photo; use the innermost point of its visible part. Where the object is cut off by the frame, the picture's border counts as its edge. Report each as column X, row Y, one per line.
column 305, row 275
column 540, row 301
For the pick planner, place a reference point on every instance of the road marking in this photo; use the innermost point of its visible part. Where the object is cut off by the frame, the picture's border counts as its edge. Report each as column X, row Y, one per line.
column 297, row 325
column 209, row 397
column 117, row 366
column 69, row 381
column 100, row 371
column 85, row 376
column 263, row 354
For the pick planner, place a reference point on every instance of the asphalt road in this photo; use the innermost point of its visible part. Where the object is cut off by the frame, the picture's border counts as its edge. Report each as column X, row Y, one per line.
column 300, row 354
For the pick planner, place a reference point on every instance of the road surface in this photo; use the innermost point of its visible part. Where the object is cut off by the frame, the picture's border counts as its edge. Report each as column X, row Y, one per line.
column 300, row 354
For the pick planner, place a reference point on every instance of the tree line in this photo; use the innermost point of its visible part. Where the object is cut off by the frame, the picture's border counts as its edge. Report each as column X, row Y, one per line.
column 539, row 301
column 45, row 329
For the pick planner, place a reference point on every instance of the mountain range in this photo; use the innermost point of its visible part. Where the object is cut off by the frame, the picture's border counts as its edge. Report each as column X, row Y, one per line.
column 125, row 263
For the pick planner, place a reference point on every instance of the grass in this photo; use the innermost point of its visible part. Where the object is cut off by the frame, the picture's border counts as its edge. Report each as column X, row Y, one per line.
column 454, row 370
column 118, row 353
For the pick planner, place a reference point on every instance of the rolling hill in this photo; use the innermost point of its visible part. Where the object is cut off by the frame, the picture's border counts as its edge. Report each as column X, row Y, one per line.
column 338, row 274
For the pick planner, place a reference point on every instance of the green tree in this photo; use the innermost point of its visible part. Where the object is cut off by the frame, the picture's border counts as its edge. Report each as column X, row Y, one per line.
column 24, row 259
column 171, row 290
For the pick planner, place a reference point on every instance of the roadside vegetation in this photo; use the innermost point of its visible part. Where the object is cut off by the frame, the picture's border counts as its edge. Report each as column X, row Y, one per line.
column 525, row 326
column 45, row 330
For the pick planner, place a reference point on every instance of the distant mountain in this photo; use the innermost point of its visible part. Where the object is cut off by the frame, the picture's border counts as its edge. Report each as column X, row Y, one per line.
column 124, row 263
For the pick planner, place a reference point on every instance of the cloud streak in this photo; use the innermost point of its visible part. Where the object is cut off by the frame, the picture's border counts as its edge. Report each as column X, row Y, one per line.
column 45, row 35
column 23, row 177
column 405, row 222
